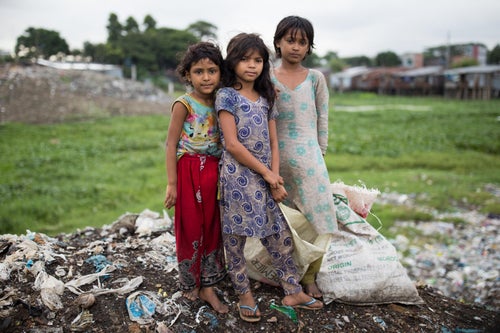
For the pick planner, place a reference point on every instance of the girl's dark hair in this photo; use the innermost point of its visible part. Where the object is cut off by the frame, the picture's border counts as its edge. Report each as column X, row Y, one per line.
column 195, row 53
column 294, row 24
column 240, row 46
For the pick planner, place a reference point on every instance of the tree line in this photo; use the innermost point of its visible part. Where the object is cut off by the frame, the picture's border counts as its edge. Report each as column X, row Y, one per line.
column 154, row 50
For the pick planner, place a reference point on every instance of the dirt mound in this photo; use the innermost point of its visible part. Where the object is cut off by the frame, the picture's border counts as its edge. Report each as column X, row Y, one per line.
column 36, row 94
column 41, row 279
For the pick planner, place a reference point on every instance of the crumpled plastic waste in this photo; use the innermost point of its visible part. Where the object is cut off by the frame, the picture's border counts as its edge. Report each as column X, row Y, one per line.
column 83, row 322
column 50, row 290
column 212, row 320
column 465, row 266
column 380, row 322
column 127, row 287
column 99, row 261
column 148, row 222
column 141, row 306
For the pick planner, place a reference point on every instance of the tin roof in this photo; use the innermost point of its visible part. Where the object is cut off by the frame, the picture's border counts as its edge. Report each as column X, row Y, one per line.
column 474, row 69
column 422, row 71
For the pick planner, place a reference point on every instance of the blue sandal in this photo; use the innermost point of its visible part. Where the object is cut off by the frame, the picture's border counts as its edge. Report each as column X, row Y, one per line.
column 307, row 305
column 251, row 319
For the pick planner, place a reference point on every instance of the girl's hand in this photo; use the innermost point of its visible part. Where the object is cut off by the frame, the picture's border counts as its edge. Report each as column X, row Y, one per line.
column 274, row 180
column 170, row 196
column 279, row 194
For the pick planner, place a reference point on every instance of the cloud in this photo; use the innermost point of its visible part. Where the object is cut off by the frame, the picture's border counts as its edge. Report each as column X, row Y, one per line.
column 348, row 27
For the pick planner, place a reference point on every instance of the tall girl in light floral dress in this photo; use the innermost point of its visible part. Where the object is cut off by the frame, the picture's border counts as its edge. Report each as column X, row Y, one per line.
column 302, row 128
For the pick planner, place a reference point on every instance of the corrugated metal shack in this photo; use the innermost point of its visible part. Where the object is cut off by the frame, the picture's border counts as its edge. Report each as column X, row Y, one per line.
column 421, row 81
column 476, row 82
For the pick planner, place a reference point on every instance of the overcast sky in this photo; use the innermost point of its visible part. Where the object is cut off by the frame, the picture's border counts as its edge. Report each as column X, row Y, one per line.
column 348, row 27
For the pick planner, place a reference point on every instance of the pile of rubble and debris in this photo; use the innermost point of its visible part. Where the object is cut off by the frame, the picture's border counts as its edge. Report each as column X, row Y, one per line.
column 122, row 278
column 37, row 94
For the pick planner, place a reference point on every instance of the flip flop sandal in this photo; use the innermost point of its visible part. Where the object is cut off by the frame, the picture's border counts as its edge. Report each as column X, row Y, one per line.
column 251, row 319
column 307, row 305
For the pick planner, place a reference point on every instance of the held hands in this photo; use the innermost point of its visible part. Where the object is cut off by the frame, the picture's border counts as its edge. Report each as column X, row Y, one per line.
column 276, row 184
column 273, row 179
column 279, row 194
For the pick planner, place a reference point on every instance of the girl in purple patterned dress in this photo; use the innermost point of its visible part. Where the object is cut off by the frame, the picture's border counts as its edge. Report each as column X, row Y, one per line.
column 249, row 174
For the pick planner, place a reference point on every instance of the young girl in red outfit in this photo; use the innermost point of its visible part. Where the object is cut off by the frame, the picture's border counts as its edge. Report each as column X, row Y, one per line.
column 192, row 157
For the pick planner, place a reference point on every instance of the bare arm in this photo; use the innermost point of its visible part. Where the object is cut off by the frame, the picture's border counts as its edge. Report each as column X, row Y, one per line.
column 177, row 118
column 241, row 154
column 279, row 193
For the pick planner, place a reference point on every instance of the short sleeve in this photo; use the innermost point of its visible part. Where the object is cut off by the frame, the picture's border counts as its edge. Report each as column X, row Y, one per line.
column 273, row 114
column 225, row 99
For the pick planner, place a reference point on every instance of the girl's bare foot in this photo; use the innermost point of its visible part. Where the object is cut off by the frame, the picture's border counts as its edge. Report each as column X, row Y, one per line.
column 312, row 290
column 208, row 295
column 192, row 295
column 303, row 301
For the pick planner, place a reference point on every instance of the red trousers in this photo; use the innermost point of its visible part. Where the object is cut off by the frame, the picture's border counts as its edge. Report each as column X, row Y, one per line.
column 200, row 253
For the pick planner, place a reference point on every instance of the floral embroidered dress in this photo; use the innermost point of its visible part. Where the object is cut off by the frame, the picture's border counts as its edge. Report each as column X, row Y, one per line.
column 247, row 206
column 302, row 127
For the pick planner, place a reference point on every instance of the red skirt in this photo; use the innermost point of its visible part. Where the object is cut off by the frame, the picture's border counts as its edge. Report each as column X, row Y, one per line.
column 197, row 223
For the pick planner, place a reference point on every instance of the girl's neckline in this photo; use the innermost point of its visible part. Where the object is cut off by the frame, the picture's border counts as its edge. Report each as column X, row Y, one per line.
column 297, row 83
column 200, row 100
column 253, row 100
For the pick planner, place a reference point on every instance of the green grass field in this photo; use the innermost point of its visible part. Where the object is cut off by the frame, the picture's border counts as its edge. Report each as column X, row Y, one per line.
column 57, row 178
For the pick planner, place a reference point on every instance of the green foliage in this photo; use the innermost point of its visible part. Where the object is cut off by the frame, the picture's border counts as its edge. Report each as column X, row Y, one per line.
column 358, row 61
column 114, row 28
column 40, row 42
column 387, row 59
column 149, row 23
column 312, row 61
column 6, row 59
column 131, row 26
column 337, row 65
column 444, row 154
column 494, row 55
column 152, row 51
column 203, row 30
column 65, row 176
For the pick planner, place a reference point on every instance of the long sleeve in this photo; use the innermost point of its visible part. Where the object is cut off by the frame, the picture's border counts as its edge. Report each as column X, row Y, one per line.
column 322, row 99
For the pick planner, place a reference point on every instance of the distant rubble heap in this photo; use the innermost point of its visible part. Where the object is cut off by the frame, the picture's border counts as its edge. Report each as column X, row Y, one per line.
column 36, row 94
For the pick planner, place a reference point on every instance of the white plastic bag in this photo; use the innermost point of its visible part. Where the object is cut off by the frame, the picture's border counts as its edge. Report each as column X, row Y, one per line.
column 308, row 248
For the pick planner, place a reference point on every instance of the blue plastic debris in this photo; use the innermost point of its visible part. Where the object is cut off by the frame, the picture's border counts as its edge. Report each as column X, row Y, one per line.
column 380, row 322
column 140, row 307
column 214, row 323
column 29, row 263
column 99, row 261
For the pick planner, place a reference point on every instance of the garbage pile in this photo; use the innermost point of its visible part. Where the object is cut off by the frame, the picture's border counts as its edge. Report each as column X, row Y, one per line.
column 461, row 259
column 86, row 83
column 71, row 94
column 122, row 278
